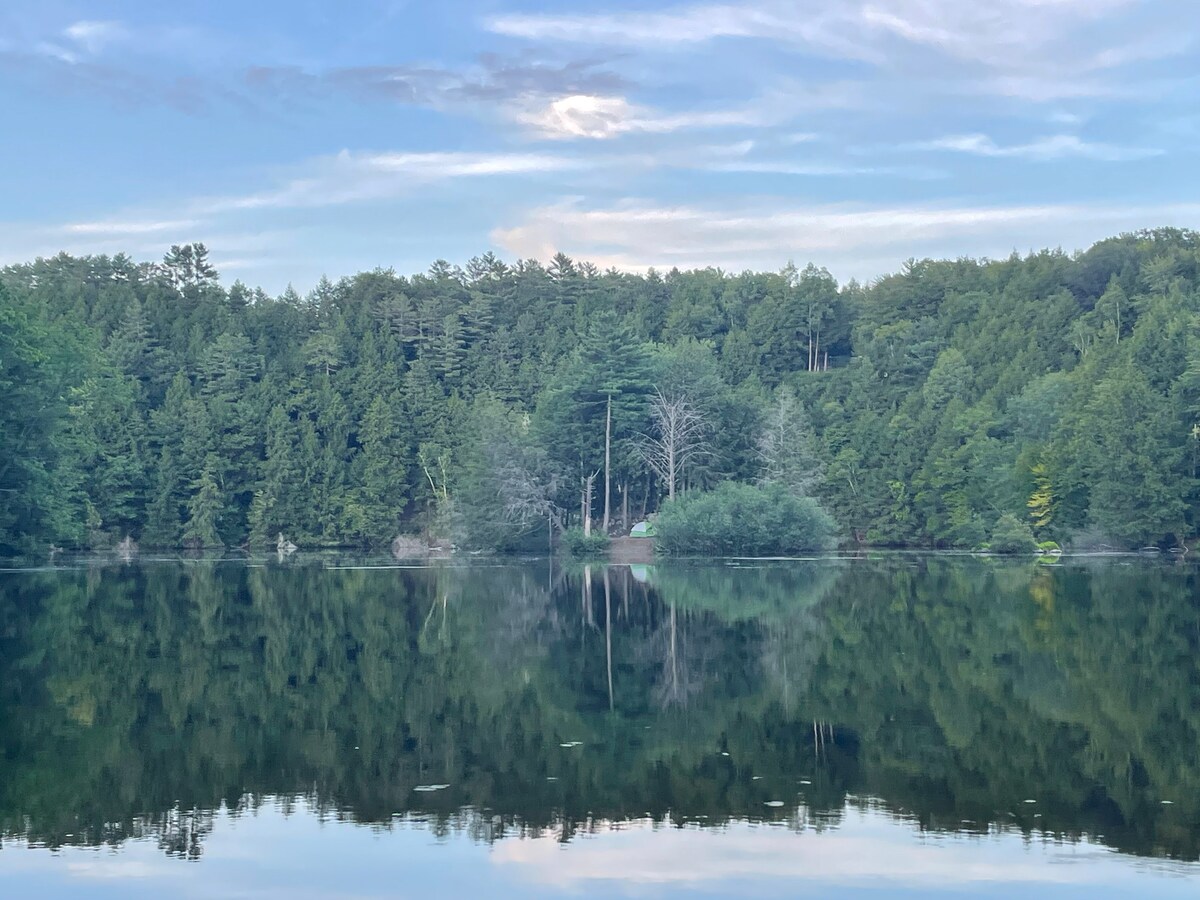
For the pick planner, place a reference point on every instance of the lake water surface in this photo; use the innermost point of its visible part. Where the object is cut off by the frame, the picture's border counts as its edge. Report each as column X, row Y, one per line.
column 904, row 726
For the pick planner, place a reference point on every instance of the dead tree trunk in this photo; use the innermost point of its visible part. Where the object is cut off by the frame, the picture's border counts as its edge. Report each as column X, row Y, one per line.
column 678, row 442
column 588, row 486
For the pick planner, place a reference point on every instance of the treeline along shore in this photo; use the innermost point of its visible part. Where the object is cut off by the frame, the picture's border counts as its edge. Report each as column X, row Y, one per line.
column 957, row 403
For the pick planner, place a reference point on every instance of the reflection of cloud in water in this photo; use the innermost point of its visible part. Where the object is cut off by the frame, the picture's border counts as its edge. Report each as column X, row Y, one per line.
column 116, row 869
column 871, row 848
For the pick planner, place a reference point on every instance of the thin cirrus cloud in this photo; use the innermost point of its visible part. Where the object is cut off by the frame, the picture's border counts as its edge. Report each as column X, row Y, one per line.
column 360, row 177
column 81, row 41
column 1004, row 42
column 93, row 36
column 342, row 179
column 969, row 30
column 682, row 26
column 127, row 227
column 488, row 80
column 1055, row 147
column 855, row 240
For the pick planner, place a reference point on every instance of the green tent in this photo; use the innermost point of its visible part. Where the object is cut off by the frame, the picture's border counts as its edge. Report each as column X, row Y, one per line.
column 642, row 530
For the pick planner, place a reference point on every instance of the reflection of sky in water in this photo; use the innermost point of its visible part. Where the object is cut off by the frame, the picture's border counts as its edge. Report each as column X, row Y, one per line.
column 870, row 853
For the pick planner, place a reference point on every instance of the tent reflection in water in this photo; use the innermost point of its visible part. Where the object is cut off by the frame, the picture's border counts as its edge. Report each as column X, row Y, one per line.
column 640, row 573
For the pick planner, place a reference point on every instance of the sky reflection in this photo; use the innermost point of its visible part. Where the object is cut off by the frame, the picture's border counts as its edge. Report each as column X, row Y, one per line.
column 301, row 854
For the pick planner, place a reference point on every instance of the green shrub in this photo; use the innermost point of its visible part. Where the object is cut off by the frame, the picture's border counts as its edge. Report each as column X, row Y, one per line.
column 584, row 546
column 1011, row 535
column 743, row 520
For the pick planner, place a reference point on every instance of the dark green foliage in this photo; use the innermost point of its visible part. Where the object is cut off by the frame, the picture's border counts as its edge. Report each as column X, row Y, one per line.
column 41, row 363
column 743, row 520
column 1063, row 391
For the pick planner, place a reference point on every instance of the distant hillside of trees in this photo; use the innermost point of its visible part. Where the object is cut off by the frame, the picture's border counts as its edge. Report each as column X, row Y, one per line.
column 493, row 404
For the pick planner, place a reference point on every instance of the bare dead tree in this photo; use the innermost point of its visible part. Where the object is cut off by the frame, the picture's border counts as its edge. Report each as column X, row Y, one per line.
column 588, row 483
column 526, row 486
column 679, row 438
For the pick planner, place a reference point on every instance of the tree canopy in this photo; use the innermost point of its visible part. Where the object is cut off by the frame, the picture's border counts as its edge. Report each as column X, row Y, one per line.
column 151, row 400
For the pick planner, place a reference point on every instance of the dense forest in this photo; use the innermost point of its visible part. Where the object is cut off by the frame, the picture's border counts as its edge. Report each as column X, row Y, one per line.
column 494, row 404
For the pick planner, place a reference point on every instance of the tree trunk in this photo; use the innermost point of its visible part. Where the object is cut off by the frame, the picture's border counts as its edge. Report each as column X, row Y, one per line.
column 671, row 471
column 625, row 507
column 607, row 461
column 587, row 505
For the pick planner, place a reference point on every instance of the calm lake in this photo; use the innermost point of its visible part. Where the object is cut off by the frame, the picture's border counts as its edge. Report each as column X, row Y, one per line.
column 904, row 726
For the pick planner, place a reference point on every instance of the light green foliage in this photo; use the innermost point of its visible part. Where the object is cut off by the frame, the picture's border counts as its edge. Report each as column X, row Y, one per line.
column 505, row 495
column 1011, row 535
column 204, row 510
column 743, row 520
column 583, row 546
column 786, row 446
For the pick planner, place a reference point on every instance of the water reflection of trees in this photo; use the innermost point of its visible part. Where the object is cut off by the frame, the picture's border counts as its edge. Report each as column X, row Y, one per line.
column 137, row 700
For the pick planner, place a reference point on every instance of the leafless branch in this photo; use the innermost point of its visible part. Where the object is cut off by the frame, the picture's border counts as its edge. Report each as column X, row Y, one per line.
column 679, row 439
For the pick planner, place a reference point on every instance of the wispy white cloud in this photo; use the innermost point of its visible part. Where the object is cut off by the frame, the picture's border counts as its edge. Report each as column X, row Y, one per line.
column 93, row 36
column 819, row 24
column 127, row 227
column 80, row 40
column 600, row 117
column 682, row 25
column 233, row 264
column 358, row 177
column 1006, row 42
column 1059, row 146
column 1039, row 87
column 816, row 168
column 142, row 238
column 1063, row 117
column 1002, row 34
column 988, row 32
column 339, row 180
column 590, row 116
column 854, row 240
column 57, row 52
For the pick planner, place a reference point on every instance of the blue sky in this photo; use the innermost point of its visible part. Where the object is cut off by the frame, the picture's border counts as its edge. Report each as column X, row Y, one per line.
column 306, row 138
